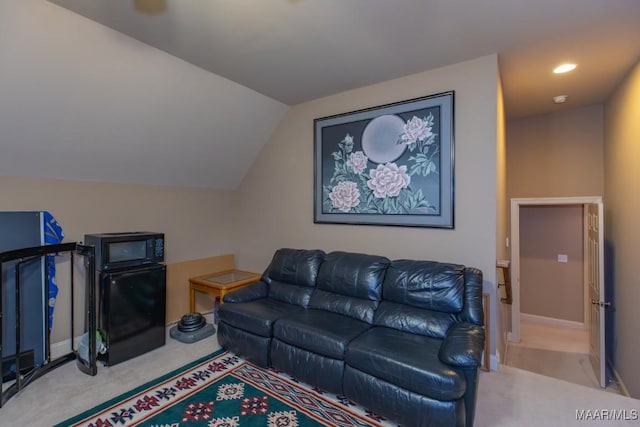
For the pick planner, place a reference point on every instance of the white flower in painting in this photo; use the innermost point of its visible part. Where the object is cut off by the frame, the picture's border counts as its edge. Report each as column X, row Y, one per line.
column 358, row 162
column 345, row 196
column 348, row 139
column 387, row 180
column 415, row 130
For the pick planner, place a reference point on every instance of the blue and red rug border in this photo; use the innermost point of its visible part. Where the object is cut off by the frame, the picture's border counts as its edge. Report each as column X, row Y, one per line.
column 138, row 389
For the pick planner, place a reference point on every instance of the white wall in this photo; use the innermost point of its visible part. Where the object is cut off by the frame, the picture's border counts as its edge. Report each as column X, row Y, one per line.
column 196, row 222
column 274, row 204
column 622, row 232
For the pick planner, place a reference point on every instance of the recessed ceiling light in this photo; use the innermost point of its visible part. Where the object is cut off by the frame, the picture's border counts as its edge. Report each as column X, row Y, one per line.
column 560, row 99
column 564, row 68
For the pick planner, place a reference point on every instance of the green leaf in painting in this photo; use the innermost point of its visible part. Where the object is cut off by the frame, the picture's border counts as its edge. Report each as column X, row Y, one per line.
column 419, row 158
column 431, row 167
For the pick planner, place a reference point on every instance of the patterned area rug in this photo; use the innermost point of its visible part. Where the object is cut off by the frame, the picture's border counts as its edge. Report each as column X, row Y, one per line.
column 223, row 390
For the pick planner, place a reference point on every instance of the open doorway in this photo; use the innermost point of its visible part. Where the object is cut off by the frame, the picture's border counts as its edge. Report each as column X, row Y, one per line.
column 556, row 273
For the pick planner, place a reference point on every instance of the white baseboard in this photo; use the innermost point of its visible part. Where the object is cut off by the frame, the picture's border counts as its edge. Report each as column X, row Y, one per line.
column 618, row 379
column 494, row 362
column 61, row 348
column 560, row 323
column 511, row 337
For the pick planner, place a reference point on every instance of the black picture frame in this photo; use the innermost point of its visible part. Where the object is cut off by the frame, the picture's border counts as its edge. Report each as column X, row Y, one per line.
column 387, row 165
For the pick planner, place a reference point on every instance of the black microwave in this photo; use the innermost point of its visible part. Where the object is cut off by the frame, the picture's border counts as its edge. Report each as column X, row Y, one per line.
column 124, row 250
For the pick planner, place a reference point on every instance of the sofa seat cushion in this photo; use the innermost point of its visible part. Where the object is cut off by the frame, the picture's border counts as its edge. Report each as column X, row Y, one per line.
column 319, row 331
column 257, row 316
column 408, row 360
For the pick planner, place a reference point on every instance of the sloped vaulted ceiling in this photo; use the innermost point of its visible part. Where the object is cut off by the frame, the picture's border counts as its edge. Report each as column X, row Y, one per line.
column 81, row 101
column 299, row 50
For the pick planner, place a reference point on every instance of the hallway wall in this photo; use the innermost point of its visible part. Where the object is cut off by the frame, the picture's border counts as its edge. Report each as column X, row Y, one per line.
column 547, row 287
column 622, row 233
column 556, row 155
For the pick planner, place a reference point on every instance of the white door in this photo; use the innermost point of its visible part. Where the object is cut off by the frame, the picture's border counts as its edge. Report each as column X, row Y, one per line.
column 596, row 291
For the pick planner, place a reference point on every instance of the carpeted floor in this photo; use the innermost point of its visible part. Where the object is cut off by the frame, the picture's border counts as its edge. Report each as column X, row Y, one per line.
column 573, row 367
column 555, row 352
column 512, row 397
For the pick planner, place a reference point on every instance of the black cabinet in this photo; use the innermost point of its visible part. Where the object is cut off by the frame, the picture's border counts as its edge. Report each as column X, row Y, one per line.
column 19, row 230
column 132, row 310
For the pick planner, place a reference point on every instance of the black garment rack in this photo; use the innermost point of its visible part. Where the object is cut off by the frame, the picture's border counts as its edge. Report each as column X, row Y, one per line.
column 21, row 257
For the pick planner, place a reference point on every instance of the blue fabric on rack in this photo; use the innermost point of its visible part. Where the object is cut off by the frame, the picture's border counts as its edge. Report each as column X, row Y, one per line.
column 53, row 235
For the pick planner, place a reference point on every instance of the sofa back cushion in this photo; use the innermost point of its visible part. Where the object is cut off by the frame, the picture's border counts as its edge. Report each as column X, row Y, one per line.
column 350, row 284
column 423, row 297
column 292, row 275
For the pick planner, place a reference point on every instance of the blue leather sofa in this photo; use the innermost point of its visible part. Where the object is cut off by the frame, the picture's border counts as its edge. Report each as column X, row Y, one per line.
column 403, row 338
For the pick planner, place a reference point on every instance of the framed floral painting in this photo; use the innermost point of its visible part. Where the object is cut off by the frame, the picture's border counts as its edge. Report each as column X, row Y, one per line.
column 388, row 165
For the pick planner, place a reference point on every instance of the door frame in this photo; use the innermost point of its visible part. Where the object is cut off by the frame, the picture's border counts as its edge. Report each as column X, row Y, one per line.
column 516, row 203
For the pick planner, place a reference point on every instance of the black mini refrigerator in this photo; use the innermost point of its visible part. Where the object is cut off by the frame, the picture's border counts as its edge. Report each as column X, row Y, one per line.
column 131, row 294
column 132, row 311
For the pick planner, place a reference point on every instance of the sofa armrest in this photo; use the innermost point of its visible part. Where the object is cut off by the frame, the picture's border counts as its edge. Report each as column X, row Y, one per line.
column 463, row 345
column 252, row 292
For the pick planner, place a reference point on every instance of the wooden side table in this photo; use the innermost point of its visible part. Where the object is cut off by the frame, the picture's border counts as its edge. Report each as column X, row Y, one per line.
column 219, row 284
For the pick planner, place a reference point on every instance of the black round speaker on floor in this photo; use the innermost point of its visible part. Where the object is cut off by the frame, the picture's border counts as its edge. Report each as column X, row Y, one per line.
column 191, row 322
column 192, row 327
